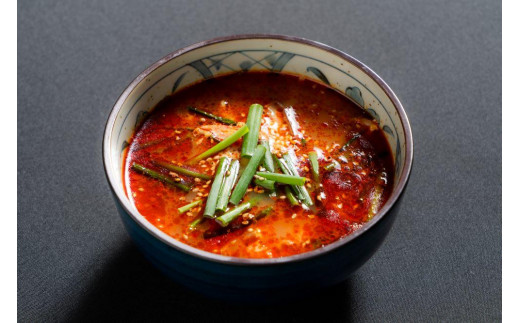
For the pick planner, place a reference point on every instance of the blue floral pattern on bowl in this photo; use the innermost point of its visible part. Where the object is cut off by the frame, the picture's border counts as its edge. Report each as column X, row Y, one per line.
column 267, row 60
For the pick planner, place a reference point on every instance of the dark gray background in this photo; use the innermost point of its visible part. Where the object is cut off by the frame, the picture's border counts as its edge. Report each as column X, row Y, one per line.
column 442, row 259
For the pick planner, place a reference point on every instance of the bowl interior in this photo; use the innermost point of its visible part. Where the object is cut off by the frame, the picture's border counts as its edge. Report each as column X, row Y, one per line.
column 235, row 54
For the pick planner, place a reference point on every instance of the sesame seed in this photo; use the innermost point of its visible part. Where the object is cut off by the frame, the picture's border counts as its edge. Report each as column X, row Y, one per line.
column 294, row 216
column 141, row 189
column 245, row 222
column 185, row 236
column 203, row 119
column 177, row 131
column 310, row 216
column 308, row 185
column 250, row 230
column 189, row 214
column 177, row 179
column 283, row 197
column 177, row 138
column 197, row 179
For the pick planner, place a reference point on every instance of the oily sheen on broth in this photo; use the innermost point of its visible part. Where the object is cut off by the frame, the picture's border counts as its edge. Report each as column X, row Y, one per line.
column 313, row 136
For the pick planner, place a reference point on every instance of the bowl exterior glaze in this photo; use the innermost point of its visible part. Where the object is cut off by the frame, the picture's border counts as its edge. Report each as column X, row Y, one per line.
column 265, row 283
column 256, row 279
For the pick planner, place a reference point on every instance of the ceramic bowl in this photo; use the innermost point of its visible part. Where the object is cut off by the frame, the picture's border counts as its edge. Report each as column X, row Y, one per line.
column 257, row 279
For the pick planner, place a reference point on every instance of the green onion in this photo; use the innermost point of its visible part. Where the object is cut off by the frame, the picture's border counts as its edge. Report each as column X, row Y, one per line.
column 212, row 116
column 332, row 166
column 188, row 206
column 315, row 167
column 181, row 170
column 213, row 232
column 290, row 196
column 262, row 214
column 291, row 161
column 247, row 175
column 196, row 222
column 268, row 159
column 211, row 202
column 283, row 178
column 163, row 178
column 254, row 119
column 221, row 145
column 227, row 217
column 285, row 169
column 265, row 183
column 356, row 136
column 227, row 185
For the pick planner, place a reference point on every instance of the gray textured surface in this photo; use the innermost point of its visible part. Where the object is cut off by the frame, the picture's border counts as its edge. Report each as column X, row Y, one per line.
column 441, row 261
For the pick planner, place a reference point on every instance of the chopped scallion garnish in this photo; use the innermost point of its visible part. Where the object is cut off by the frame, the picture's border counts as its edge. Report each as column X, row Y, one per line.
column 227, row 217
column 212, row 116
column 268, row 159
column 221, row 145
column 187, row 207
column 282, row 178
column 182, row 170
column 254, row 119
column 163, row 178
column 247, row 175
column 216, row 186
column 315, row 167
column 265, row 183
column 230, row 180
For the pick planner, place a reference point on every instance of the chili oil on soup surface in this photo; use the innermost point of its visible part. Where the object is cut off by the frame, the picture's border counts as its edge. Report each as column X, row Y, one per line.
column 345, row 198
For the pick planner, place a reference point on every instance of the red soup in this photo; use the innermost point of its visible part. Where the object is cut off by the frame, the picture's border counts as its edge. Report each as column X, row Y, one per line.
column 258, row 165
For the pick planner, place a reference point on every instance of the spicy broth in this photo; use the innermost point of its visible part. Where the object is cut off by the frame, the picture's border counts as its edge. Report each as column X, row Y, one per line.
column 346, row 196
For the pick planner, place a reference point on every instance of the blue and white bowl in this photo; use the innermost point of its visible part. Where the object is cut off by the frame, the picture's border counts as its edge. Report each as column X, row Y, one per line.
column 257, row 279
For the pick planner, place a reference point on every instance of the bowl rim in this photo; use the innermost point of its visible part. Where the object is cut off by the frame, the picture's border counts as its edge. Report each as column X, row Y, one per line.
column 208, row 256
